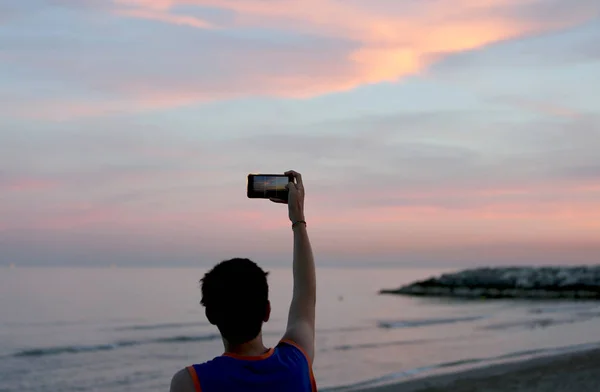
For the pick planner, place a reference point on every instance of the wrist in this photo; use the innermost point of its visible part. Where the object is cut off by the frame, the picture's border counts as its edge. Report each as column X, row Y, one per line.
column 300, row 223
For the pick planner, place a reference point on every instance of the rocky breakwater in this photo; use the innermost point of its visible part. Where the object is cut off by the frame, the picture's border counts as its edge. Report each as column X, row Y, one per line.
column 512, row 282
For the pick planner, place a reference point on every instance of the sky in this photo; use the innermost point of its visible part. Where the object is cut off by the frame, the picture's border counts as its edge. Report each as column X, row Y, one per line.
column 428, row 132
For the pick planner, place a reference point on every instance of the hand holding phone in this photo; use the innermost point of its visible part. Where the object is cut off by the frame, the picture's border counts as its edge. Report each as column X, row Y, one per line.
column 286, row 188
column 269, row 186
column 295, row 200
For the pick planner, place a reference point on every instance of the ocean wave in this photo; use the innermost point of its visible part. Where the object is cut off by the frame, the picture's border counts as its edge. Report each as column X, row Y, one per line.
column 537, row 323
column 184, row 338
column 160, row 326
column 383, row 380
column 39, row 352
column 346, row 347
column 344, row 329
column 563, row 308
column 77, row 349
column 45, row 323
column 544, row 322
column 474, row 362
column 426, row 322
column 588, row 315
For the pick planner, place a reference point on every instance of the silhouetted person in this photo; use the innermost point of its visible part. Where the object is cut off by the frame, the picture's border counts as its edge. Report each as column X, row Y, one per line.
column 235, row 294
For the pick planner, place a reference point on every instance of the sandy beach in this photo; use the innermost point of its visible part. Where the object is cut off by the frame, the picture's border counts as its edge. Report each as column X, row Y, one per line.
column 573, row 372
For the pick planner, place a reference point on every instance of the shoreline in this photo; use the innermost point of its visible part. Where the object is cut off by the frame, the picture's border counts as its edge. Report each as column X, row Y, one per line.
column 565, row 372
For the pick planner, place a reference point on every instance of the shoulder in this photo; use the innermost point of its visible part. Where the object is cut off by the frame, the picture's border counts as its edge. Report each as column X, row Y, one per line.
column 292, row 349
column 295, row 353
column 182, row 382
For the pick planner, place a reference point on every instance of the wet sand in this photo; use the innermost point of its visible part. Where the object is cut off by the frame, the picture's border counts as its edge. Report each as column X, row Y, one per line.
column 573, row 372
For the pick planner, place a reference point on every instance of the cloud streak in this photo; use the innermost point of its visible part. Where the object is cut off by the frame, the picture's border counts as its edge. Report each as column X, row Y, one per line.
column 397, row 43
column 324, row 47
column 151, row 14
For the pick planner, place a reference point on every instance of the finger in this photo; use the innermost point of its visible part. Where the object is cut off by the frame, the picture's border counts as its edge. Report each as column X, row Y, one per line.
column 296, row 175
column 280, row 201
column 291, row 186
column 290, row 173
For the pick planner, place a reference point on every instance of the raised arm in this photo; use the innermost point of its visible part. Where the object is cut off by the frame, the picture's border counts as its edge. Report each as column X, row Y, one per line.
column 301, row 318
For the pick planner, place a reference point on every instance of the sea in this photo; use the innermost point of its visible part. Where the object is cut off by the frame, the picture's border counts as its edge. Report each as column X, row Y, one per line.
column 131, row 329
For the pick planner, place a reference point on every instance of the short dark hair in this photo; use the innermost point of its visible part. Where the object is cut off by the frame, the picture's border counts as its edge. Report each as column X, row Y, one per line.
column 235, row 294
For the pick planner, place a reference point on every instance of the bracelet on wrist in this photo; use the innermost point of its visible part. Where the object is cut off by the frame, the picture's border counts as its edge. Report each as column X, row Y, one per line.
column 298, row 223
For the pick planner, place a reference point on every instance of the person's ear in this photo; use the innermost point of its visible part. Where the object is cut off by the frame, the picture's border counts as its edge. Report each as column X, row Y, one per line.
column 267, row 312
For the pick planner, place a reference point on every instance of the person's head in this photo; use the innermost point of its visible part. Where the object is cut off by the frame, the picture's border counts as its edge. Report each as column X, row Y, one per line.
column 235, row 294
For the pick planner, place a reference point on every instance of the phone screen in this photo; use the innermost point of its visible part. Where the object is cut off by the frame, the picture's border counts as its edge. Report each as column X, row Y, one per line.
column 267, row 186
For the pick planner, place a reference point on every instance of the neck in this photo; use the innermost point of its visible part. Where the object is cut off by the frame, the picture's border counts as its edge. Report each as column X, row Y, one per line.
column 252, row 348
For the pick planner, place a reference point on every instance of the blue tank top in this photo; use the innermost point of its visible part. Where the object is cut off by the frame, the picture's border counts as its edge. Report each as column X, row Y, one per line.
column 284, row 368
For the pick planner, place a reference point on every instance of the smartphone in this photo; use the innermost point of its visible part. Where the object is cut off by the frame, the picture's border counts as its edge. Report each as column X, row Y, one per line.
column 268, row 186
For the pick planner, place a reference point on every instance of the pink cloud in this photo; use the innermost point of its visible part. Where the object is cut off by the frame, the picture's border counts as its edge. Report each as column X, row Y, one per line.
column 540, row 107
column 139, row 100
column 338, row 229
column 419, row 228
column 152, row 14
column 156, row 5
column 30, row 185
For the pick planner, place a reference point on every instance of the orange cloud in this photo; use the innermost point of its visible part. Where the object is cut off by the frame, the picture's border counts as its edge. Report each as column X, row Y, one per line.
column 387, row 45
column 393, row 43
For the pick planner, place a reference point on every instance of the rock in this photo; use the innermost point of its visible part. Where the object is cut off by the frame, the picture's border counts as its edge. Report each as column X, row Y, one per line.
column 582, row 282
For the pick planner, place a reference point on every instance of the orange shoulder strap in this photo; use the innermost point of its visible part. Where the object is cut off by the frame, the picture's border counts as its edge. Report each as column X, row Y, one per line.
column 194, row 376
column 310, row 370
